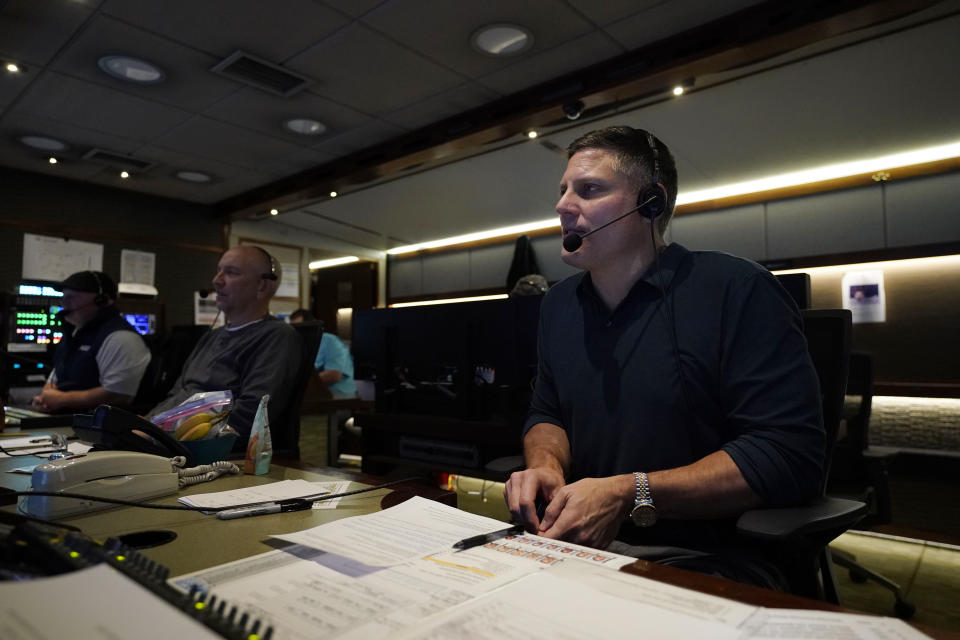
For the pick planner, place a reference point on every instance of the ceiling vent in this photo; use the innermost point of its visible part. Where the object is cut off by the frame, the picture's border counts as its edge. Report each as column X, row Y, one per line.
column 118, row 160
column 261, row 74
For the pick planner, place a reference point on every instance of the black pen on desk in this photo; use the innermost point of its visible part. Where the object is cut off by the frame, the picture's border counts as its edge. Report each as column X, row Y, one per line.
column 282, row 506
column 476, row 541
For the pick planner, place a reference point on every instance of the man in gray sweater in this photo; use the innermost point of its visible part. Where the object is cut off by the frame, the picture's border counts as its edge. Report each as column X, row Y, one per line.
column 253, row 355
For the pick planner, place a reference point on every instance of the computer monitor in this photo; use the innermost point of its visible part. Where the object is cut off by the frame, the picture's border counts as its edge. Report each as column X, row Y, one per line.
column 144, row 323
column 33, row 324
column 472, row 360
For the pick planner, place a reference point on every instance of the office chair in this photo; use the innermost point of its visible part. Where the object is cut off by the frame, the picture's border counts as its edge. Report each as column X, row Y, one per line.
column 797, row 538
column 857, row 475
column 286, row 435
column 168, row 354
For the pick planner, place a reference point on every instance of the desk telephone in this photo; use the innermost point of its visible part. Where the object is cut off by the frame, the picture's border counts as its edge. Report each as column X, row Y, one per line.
column 124, row 475
column 113, row 428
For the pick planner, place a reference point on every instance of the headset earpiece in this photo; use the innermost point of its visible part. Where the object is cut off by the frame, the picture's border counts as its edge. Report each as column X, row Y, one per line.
column 652, row 200
column 272, row 274
column 101, row 298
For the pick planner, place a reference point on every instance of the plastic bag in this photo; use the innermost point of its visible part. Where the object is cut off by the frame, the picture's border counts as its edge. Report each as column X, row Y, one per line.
column 260, row 444
column 201, row 416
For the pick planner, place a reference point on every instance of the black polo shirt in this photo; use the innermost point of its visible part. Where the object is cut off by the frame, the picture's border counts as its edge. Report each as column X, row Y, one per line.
column 612, row 380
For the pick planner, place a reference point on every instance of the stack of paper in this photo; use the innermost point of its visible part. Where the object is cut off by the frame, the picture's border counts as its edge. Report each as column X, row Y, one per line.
column 395, row 574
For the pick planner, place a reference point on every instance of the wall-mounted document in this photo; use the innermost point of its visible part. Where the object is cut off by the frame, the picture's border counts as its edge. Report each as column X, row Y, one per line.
column 48, row 258
column 137, row 267
column 863, row 294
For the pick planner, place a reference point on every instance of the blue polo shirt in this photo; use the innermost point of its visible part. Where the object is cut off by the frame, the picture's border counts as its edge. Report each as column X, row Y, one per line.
column 611, row 379
column 333, row 354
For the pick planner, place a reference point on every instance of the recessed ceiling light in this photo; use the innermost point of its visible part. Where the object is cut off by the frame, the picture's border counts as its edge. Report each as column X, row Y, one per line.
column 305, row 126
column 44, row 143
column 52, row 160
column 333, row 194
column 501, row 40
column 124, row 174
column 678, row 91
column 274, row 212
column 12, row 67
column 531, row 134
column 197, row 177
column 131, row 69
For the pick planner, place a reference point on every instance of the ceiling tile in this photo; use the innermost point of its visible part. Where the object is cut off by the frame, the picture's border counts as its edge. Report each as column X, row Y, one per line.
column 33, row 32
column 227, row 143
column 669, row 18
column 188, row 84
column 359, row 138
column 231, row 186
column 16, row 156
column 266, row 113
column 165, row 185
column 300, row 160
column 371, row 73
column 355, row 8
column 271, row 30
column 449, row 103
column 98, row 108
column 170, row 161
column 441, row 30
column 603, row 13
column 583, row 52
column 12, row 85
column 79, row 139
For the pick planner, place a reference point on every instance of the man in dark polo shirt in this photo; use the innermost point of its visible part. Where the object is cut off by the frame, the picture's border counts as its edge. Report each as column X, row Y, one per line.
column 674, row 388
column 101, row 358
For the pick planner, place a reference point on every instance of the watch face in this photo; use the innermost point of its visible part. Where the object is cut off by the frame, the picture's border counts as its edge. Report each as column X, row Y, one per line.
column 644, row 515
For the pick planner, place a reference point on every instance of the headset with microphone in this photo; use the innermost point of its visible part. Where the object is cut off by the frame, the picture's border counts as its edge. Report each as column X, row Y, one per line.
column 100, row 299
column 651, row 202
column 270, row 259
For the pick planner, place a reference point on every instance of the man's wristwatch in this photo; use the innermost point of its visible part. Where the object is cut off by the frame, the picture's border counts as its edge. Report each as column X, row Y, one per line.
column 644, row 514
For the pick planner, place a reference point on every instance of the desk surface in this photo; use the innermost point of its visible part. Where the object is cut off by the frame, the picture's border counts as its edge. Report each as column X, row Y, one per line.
column 203, row 541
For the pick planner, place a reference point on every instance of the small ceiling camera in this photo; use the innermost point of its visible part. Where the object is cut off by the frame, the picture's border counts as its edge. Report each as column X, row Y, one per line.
column 573, row 109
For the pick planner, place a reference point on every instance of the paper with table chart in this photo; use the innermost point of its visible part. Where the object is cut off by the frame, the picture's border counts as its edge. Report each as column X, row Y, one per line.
column 271, row 492
column 418, row 586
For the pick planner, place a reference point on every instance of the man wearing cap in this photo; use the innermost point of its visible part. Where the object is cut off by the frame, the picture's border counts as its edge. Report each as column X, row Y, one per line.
column 101, row 358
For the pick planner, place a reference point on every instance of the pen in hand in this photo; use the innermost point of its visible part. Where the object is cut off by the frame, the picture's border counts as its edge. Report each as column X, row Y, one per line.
column 476, row 541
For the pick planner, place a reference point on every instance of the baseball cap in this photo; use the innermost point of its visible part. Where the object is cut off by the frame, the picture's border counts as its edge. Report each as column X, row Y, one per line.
column 91, row 282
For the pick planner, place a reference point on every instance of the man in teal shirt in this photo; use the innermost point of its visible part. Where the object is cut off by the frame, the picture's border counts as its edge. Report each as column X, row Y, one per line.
column 334, row 363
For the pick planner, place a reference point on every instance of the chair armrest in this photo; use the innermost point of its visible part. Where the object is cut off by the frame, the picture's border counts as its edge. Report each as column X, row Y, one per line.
column 825, row 518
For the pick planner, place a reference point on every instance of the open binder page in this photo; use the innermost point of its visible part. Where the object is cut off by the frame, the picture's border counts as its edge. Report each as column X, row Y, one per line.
column 408, row 530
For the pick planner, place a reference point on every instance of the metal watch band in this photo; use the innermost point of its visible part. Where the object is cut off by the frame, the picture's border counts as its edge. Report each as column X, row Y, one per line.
column 643, row 488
